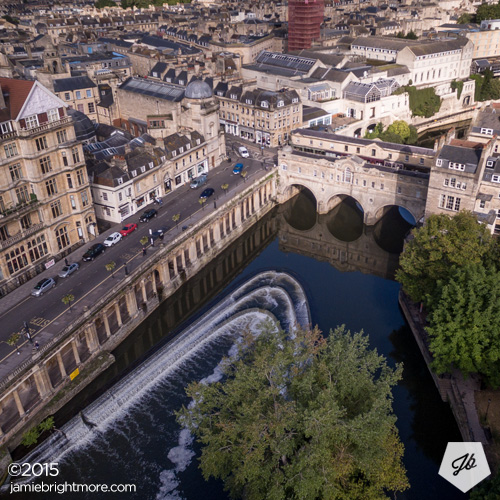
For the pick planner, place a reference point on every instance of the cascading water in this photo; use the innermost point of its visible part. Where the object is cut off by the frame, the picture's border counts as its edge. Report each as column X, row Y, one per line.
column 159, row 383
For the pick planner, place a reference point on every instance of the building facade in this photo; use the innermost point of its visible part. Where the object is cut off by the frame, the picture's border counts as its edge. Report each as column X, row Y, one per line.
column 304, row 22
column 45, row 201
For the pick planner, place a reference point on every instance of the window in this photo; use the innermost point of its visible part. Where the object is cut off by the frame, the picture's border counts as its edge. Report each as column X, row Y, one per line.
column 22, row 194
column 456, row 166
column 62, row 237
column 439, row 162
column 91, row 107
column 16, row 259
column 10, row 150
column 79, row 107
column 407, row 157
column 490, row 164
column 449, row 202
column 5, row 127
column 78, row 94
column 89, row 93
column 346, row 148
column 51, row 187
column 76, row 155
column 53, row 115
column 37, row 248
column 373, row 152
column 482, row 204
column 56, row 209
column 32, row 121
column 495, row 178
column 105, row 196
column 67, row 96
column 41, row 143
column 69, row 181
column 15, row 172
column 61, row 136
column 45, row 164
column 81, row 177
column 421, row 161
column 72, row 201
column 85, row 198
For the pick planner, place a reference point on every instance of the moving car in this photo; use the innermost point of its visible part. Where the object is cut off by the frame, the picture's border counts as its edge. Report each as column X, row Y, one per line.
column 67, row 270
column 129, row 228
column 199, row 181
column 93, row 252
column 207, row 193
column 43, row 286
column 112, row 239
column 148, row 215
column 243, row 152
column 238, row 168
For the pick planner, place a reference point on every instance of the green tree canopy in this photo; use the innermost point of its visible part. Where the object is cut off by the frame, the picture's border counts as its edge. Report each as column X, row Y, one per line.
column 104, row 3
column 437, row 246
column 464, row 329
column 300, row 417
column 487, row 11
column 398, row 132
column 466, row 18
column 401, row 128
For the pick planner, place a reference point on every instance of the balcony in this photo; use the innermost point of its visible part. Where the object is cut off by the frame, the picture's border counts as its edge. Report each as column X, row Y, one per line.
column 21, row 236
column 46, row 127
column 19, row 210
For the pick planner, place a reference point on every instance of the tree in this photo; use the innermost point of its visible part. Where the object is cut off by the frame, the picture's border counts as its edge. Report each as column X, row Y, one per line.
column 401, row 128
column 244, row 175
column 110, row 267
column 30, row 437
column 67, row 299
column 465, row 18
column 224, row 187
column 464, row 329
column 487, row 490
column 176, row 218
column 487, row 11
column 436, row 247
column 13, row 340
column 104, row 3
column 144, row 241
column 47, row 424
column 202, row 202
column 300, row 416
column 11, row 20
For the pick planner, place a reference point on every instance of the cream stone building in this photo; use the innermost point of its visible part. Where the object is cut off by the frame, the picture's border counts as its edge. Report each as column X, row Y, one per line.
column 80, row 93
column 45, row 202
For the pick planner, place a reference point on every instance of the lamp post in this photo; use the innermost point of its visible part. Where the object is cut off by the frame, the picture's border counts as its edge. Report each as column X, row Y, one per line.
column 487, row 409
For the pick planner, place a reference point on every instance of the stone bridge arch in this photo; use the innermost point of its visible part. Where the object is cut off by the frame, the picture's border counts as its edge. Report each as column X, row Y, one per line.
column 301, row 214
column 386, row 208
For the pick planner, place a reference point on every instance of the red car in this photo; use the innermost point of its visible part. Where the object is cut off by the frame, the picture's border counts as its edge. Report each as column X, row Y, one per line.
column 129, row 228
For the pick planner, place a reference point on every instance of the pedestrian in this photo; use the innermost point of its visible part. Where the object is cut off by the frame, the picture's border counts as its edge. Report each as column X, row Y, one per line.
column 66, row 261
column 152, row 242
column 215, row 204
column 161, row 236
column 37, row 345
column 143, row 251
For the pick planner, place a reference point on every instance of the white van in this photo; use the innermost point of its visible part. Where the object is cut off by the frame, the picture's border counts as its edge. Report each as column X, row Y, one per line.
column 243, row 152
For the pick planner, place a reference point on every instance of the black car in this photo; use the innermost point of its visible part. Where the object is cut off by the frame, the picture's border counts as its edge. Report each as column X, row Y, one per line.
column 207, row 193
column 148, row 215
column 93, row 252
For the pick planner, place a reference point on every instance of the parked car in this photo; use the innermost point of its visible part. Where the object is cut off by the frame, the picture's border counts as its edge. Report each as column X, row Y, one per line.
column 238, row 168
column 207, row 193
column 159, row 232
column 43, row 286
column 129, row 228
column 67, row 270
column 148, row 215
column 243, row 152
column 199, row 181
column 112, row 239
column 93, row 252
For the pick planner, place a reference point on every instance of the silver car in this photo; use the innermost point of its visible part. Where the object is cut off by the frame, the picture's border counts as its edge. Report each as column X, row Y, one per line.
column 43, row 286
column 67, row 270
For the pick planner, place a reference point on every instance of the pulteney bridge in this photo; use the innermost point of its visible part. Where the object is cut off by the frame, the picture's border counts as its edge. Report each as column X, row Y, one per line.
column 375, row 188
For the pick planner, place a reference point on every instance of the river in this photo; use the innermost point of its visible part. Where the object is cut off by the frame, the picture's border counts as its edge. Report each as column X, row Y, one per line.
column 344, row 269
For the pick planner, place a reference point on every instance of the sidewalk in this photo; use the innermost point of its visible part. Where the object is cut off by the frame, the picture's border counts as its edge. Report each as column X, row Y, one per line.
column 13, row 361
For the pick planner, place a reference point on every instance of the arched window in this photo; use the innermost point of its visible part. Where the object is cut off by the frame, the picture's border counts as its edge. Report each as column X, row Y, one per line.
column 347, row 176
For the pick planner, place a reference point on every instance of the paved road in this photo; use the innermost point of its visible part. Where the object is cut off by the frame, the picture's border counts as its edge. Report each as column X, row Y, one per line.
column 47, row 315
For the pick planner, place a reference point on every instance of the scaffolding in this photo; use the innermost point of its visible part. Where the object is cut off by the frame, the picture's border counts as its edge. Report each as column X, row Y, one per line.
column 304, row 22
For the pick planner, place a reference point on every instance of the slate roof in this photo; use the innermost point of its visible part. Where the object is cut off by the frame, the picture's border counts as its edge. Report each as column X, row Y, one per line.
column 73, row 83
column 466, row 156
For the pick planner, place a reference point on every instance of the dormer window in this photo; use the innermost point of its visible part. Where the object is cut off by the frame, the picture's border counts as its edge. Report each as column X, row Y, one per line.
column 188, row 146
column 439, row 162
column 234, row 96
column 197, row 141
column 134, row 173
column 487, row 131
column 249, row 101
column 143, row 168
column 53, row 115
column 264, row 104
column 174, row 153
column 181, row 149
column 6, row 127
column 151, row 164
column 162, row 158
column 120, row 180
column 280, row 104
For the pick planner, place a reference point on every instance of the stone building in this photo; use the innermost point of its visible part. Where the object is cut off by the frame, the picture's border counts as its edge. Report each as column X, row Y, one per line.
column 80, row 93
column 45, row 202
column 262, row 116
